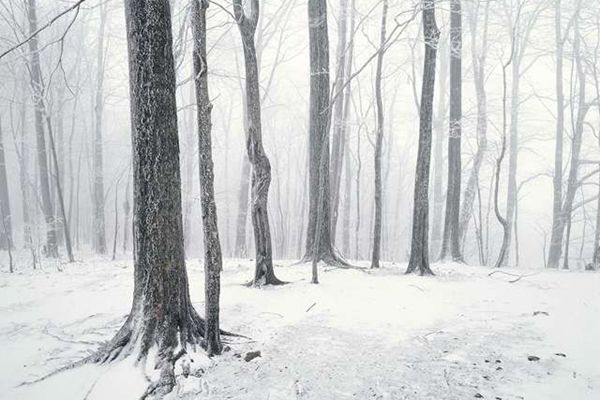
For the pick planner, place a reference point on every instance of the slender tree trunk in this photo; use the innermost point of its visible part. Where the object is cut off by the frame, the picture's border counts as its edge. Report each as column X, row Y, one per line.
column 6, row 234
column 261, row 168
column 379, row 143
column 212, row 247
column 576, row 144
column 557, row 179
column 59, row 192
column 478, row 55
column 438, row 153
column 451, row 240
column 126, row 216
column 339, row 129
column 162, row 316
column 37, row 86
column 419, row 254
column 98, row 224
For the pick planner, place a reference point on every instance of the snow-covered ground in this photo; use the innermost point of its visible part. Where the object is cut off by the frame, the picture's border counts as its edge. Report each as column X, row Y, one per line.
column 358, row 335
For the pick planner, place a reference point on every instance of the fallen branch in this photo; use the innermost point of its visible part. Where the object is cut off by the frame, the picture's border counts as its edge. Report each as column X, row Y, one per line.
column 518, row 277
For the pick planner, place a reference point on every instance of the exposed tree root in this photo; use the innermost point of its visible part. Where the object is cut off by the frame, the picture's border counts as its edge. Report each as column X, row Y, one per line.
column 137, row 338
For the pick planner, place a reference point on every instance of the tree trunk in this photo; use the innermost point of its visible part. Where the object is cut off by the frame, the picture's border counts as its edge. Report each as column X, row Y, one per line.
column 319, row 138
column 379, row 143
column 161, row 316
column 98, row 223
column 478, row 55
column 339, row 123
column 212, row 247
column 576, row 144
column 557, row 184
column 37, row 86
column 438, row 153
column 451, row 240
column 6, row 234
column 261, row 168
column 419, row 254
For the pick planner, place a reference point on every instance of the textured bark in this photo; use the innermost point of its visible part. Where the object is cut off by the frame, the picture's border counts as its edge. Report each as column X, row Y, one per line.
column 451, row 240
column 161, row 316
column 419, row 253
column 98, row 221
column 212, row 246
column 37, row 87
column 319, row 186
column 261, row 168
column 379, row 143
column 6, row 233
column 479, row 56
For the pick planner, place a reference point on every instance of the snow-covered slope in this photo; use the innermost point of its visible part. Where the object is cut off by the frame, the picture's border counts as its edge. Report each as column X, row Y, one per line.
column 358, row 335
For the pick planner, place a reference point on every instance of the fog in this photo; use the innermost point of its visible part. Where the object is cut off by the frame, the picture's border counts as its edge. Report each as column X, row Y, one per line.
column 74, row 75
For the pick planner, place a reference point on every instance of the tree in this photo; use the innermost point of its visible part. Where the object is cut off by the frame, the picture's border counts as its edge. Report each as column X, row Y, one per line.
column 162, row 316
column 419, row 252
column 319, row 118
column 261, row 168
column 37, row 87
column 379, row 143
column 6, row 233
column 478, row 56
column 345, row 50
column 451, row 239
column 98, row 223
column 212, row 247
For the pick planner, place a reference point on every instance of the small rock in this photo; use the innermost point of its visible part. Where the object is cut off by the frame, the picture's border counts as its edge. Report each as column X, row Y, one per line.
column 478, row 396
column 251, row 355
column 540, row 313
column 560, row 354
column 533, row 358
column 498, row 361
column 499, row 368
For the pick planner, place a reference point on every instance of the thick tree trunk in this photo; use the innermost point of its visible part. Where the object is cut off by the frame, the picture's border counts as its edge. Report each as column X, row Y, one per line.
column 451, row 240
column 6, row 233
column 98, row 222
column 379, row 144
column 261, row 168
column 419, row 253
column 319, row 138
column 478, row 55
column 37, row 86
column 161, row 316
column 212, row 247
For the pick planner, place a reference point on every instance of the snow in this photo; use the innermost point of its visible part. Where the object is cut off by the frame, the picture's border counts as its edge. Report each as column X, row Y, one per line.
column 359, row 334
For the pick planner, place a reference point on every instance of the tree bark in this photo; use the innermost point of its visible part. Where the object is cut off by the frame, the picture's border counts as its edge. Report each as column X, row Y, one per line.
column 212, row 247
column 162, row 316
column 261, row 168
column 375, row 258
column 37, row 86
column 419, row 254
column 451, row 240
column 319, row 138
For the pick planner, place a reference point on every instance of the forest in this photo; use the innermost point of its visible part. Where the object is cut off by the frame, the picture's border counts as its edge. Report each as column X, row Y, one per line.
column 299, row 199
